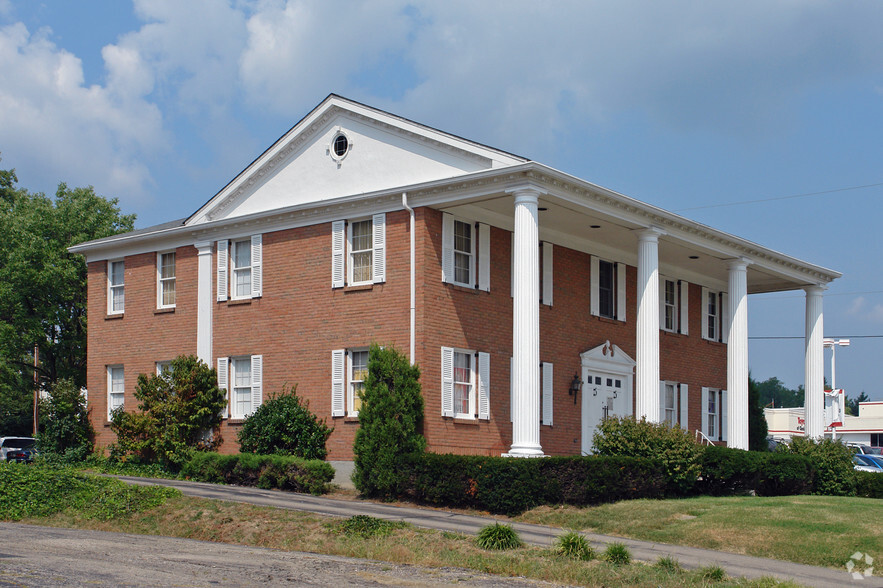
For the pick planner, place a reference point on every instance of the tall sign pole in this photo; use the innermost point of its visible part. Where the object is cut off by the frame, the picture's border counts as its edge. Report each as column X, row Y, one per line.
column 36, row 386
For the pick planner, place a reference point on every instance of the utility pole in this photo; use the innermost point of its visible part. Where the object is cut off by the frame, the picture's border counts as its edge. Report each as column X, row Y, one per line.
column 36, row 386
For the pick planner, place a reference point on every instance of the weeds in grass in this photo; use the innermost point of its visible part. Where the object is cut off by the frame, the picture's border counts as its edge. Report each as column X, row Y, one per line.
column 363, row 526
column 712, row 573
column 498, row 536
column 617, row 554
column 669, row 564
column 574, row 545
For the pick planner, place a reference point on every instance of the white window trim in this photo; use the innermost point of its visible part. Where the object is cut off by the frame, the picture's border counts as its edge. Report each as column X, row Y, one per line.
column 160, row 280
column 110, row 392
column 681, row 403
column 720, row 416
column 675, row 305
column 547, row 397
column 479, row 399
column 111, row 286
column 479, row 256
column 720, row 319
column 161, row 366
column 234, row 268
column 226, row 272
column 619, row 288
column 342, row 251
column 227, row 382
column 350, row 392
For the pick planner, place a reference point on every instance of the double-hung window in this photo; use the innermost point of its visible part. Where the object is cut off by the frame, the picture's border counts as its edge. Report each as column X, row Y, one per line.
column 466, row 251
column 714, row 414
column 669, row 305
column 465, row 384
column 163, row 368
column 714, row 321
column 349, row 369
column 116, row 389
column 673, row 403
column 240, row 268
column 116, row 287
column 242, row 379
column 608, row 288
column 358, row 251
column 165, row 276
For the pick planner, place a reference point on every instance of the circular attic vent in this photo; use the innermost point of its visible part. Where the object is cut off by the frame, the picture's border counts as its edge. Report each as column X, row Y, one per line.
column 340, row 146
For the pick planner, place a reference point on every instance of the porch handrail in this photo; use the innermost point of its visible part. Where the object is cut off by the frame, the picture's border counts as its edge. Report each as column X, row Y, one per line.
column 702, row 439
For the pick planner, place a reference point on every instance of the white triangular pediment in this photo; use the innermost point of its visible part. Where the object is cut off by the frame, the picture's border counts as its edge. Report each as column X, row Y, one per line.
column 383, row 152
column 608, row 358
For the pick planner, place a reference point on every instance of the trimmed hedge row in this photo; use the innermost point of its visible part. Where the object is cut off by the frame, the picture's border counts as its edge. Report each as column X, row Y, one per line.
column 869, row 484
column 728, row 471
column 284, row 472
column 512, row 486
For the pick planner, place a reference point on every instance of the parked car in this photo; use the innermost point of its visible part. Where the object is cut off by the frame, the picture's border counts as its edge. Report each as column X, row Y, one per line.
column 18, row 448
column 867, row 463
column 865, row 449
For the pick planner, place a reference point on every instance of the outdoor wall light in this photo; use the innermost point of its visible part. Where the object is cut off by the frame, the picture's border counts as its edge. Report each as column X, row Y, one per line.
column 575, row 386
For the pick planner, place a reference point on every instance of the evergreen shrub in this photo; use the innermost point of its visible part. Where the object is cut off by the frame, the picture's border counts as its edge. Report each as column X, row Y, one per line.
column 869, row 484
column 832, row 461
column 674, row 447
column 284, row 425
column 390, row 421
column 727, row 471
column 283, row 472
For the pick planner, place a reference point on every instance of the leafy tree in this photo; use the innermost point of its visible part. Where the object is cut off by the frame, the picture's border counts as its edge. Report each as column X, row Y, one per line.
column 852, row 404
column 390, row 420
column 43, row 286
column 180, row 411
column 757, row 425
column 65, row 429
column 284, row 425
column 774, row 393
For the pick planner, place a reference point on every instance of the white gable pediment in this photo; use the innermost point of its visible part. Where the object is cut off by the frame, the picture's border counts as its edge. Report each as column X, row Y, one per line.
column 383, row 152
column 608, row 358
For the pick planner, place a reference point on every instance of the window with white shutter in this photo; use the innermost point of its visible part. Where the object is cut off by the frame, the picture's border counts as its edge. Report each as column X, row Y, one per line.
column 243, row 261
column 548, row 376
column 116, row 389
column 116, row 287
column 547, row 273
column 714, row 322
column 338, row 381
column 358, row 251
column 484, row 386
column 223, row 373
column 222, row 270
column 466, row 250
column 607, row 285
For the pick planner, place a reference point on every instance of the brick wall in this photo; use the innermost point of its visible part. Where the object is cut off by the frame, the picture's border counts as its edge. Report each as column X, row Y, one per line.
column 300, row 319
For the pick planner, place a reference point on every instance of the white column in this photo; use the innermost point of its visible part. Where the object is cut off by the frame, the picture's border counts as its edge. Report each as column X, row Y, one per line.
column 526, row 328
column 814, row 381
column 737, row 356
column 204, row 302
column 647, row 369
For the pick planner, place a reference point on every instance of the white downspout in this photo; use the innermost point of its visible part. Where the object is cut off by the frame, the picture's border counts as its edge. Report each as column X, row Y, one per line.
column 413, row 278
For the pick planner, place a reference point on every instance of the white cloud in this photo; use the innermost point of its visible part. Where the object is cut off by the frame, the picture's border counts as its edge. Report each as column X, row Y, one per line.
column 876, row 314
column 5, row 7
column 857, row 305
column 52, row 125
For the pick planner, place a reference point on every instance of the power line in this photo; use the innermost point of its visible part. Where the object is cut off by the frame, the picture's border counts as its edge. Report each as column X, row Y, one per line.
column 827, row 337
column 780, row 197
column 760, row 296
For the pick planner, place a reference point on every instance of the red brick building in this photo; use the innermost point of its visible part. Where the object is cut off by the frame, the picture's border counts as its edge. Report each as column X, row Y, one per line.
column 534, row 302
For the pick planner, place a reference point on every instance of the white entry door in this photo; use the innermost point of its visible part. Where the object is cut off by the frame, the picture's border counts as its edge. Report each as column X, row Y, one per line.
column 604, row 395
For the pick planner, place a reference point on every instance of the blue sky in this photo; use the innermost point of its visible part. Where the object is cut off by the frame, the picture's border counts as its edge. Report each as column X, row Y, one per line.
column 701, row 108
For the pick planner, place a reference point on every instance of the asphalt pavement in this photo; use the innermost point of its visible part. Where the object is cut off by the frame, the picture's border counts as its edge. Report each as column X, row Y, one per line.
column 691, row 557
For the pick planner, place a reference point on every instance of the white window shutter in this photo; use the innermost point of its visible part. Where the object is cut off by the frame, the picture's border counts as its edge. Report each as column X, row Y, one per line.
column 379, row 227
column 725, row 317
column 338, row 253
column 662, row 302
column 548, row 386
column 223, row 374
column 704, row 409
column 257, row 382
column 684, row 313
column 685, row 424
column 512, row 267
column 547, row 273
column 448, row 252
column 661, row 401
column 620, row 291
column 257, row 265
column 594, row 270
column 484, row 386
column 447, row 381
column 704, row 317
column 338, row 381
column 222, row 271
column 511, row 389
column 723, row 413
column 484, row 257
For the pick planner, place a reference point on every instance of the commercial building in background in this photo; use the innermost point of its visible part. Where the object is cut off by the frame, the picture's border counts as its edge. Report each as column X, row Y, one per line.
column 535, row 303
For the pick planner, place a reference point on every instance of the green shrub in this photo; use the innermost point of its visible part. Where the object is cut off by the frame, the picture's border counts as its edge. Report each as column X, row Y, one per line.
column 574, row 545
column 37, row 491
column 283, row 472
column 283, row 424
column 617, row 554
column 782, row 474
column 832, row 461
column 869, row 484
column 390, row 420
column 363, row 527
column 673, row 446
column 179, row 412
column 65, row 430
column 727, row 471
column 498, row 536
column 712, row 573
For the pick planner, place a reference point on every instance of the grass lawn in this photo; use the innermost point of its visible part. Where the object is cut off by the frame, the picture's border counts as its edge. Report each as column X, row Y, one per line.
column 815, row 530
column 244, row 524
